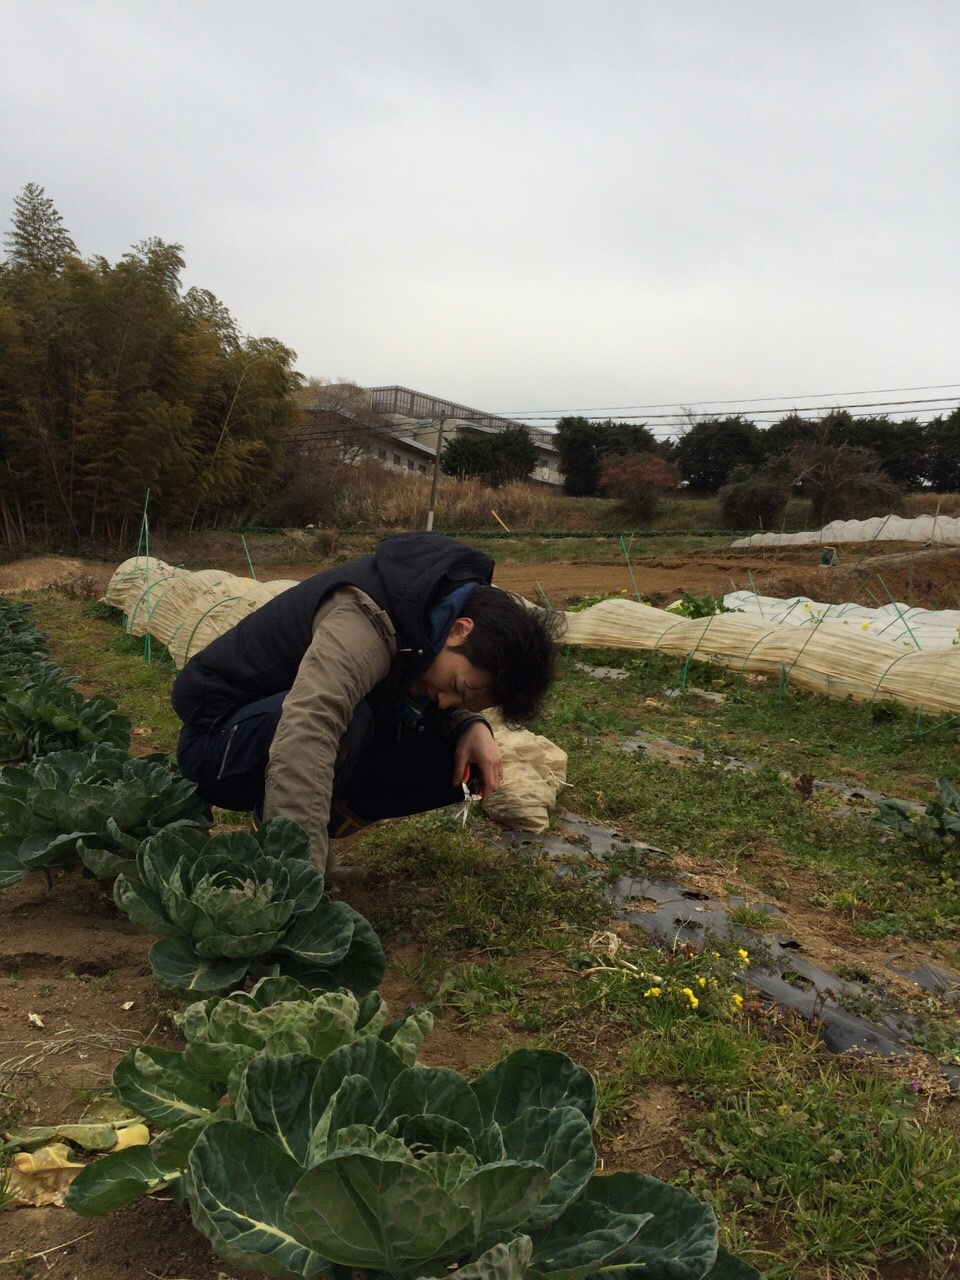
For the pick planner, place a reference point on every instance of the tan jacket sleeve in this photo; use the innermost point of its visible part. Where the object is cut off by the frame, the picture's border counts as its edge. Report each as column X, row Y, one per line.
column 351, row 650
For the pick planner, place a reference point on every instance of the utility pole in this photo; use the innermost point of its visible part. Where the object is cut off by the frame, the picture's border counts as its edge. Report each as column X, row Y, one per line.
column 436, row 472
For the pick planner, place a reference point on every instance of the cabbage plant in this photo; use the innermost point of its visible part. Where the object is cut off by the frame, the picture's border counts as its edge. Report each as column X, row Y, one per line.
column 362, row 1162
column 279, row 1016
column 96, row 806
column 180, row 1093
column 22, row 645
column 362, row 1159
column 39, row 710
column 40, row 713
column 236, row 904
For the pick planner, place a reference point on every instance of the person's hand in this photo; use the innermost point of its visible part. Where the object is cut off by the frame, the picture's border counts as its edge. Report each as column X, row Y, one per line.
column 476, row 746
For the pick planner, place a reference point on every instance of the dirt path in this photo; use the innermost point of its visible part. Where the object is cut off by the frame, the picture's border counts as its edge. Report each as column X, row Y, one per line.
column 925, row 577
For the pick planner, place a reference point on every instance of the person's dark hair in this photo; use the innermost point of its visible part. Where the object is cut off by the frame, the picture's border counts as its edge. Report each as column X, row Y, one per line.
column 515, row 643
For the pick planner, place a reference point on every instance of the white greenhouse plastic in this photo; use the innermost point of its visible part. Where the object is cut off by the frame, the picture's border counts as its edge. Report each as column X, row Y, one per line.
column 935, row 528
column 896, row 623
column 184, row 610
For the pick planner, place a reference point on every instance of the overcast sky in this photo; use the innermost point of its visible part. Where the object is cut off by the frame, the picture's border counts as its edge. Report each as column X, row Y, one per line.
column 523, row 205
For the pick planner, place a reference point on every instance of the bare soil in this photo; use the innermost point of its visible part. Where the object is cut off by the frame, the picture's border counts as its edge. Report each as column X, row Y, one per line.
column 927, row 577
column 75, row 985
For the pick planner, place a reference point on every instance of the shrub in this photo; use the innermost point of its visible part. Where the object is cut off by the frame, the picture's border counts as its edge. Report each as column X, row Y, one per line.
column 753, row 499
column 638, row 482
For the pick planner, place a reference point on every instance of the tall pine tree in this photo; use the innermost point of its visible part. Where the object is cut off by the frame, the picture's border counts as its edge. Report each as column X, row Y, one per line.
column 38, row 241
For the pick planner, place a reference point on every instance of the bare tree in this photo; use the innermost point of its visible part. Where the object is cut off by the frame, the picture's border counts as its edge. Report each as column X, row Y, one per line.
column 842, row 481
column 338, row 416
column 684, row 422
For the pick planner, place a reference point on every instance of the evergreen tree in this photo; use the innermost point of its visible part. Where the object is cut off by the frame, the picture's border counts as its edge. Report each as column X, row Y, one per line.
column 497, row 459
column 584, row 445
column 941, row 438
column 781, row 437
column 710, row 450
column 112, row 383
column 515, row 456
column 38, row 241
column 578, row 446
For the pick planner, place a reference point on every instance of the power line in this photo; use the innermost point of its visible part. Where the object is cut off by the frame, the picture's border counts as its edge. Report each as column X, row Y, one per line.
column 660, row 430
column 690, row 404
column 771, row 413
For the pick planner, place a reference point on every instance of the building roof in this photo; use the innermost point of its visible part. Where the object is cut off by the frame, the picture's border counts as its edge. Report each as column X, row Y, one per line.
column 418, row 404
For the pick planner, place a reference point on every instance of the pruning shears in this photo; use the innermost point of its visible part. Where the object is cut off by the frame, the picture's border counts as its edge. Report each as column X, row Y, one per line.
column 472, row 784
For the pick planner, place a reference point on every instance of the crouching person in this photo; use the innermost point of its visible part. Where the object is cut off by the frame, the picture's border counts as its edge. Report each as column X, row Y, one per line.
column 358, row 694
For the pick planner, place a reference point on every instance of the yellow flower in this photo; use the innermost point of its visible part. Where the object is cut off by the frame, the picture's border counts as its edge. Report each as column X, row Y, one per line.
column 652, row 991
column 702, row 981
column 736, row 1003
column 744, row 955
column 694, row 1002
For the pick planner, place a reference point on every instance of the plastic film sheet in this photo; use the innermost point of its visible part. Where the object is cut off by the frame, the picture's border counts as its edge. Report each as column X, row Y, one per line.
column 831, row 658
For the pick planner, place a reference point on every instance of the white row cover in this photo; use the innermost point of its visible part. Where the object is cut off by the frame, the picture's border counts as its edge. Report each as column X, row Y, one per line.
column 841, row 661
column 895, row 623
column 945, row 529
column 184, row 611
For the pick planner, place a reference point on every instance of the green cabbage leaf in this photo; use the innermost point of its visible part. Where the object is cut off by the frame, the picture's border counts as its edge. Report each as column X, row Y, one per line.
column 95, row 806
column 236, row 904
column 412, row 1171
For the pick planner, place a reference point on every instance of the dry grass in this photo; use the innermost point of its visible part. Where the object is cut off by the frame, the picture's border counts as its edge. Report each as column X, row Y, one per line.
column 344, row 499
column 373, row 498
column 367, row 497
column 931, row 504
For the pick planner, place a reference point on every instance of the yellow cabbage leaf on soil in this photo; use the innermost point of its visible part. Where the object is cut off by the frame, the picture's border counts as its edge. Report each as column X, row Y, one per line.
column 134, row 1135
column 41, row 1177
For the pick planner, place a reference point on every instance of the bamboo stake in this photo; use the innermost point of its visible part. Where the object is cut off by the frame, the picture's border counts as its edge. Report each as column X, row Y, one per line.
column 636, row 589
column 246, row 552
column 145, row 530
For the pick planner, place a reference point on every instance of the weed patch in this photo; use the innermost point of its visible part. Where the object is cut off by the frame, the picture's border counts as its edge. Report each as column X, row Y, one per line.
column 452, row 891
column 844, row 1163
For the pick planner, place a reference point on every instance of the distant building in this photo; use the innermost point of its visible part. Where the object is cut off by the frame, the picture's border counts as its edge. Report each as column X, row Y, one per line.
column 417, row 420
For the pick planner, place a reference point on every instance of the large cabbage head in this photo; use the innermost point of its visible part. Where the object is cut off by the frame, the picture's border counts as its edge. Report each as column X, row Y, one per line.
column 236, row 903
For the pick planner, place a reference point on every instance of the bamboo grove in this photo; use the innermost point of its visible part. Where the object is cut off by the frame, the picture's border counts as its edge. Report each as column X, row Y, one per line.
column 114, row 381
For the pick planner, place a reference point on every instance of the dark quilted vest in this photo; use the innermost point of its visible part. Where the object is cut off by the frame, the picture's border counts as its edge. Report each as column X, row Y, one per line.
column 406, row 576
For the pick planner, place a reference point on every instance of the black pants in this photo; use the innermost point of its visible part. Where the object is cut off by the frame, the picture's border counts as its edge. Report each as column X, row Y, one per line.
column 383, row 771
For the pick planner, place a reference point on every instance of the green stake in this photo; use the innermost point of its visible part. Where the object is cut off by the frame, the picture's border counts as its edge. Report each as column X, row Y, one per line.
column 942, row 725
column 899, row 612
column 636, row 590
column 247, row 554
column 683, row 674
column 145, row 536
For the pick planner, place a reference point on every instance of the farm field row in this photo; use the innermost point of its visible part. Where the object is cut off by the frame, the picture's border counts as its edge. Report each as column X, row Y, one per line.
column 543, row 973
